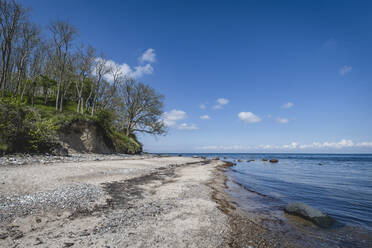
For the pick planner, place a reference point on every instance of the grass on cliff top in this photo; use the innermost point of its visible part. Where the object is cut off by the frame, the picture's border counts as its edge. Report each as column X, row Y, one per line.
column 69, row 114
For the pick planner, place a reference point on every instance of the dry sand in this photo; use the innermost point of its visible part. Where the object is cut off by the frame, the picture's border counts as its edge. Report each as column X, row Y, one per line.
column 153, row 202
column 138, row 202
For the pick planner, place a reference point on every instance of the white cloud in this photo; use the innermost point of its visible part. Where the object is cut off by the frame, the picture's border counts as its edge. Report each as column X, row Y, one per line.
column 185, row 126
column 248, row 117
column 317, row 146
column 345, row 69
column 223, row 148
column 287, row 105
column 293, row 145
column 282, row 120
column 142, row 70
column 202, row 106
column 364, row 144
column 341, row 144
column 148, row 56
column 205, row 117
column 220, row 103
column 170, row 118
column 126, row 71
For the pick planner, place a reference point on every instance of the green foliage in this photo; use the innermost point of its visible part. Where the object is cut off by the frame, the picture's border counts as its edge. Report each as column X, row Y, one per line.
column 41, row 134
column 124, row 144
column 23, row 130
column 106, row 118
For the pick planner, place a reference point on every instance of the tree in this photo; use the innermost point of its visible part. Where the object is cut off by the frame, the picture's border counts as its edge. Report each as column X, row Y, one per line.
column 109, row 99
column 63, row 34
column 85, row 61
column 141, row 109
column 29, row 39
column 11, row 16
column 101, row 69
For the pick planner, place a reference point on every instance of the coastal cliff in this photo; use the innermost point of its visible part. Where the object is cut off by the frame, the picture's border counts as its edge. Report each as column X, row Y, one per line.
column 39, row 130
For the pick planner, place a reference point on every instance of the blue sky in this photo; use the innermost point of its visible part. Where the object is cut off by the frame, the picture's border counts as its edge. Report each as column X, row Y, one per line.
column 272, row 76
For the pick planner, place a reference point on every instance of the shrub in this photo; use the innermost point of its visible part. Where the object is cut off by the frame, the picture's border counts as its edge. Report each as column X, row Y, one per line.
column 23, row 130
column 124, row 144
column 105, row 118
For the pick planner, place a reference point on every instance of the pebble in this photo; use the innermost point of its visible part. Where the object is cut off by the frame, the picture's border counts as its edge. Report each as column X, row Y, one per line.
column 26, row 159
column 68, row 244
column 3, row 235
column 64, row 197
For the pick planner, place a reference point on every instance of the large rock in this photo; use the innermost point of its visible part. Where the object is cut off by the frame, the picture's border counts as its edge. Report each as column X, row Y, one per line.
column 310, row 213
column 274, row 160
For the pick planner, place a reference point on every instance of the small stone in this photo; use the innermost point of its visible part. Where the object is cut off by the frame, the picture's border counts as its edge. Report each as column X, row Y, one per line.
column 38, row 241
column 68, row 244
column 274, row 160
column 18, row 235
column 3, row 235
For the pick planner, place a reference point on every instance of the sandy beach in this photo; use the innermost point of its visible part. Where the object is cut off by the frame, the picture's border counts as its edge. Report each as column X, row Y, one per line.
column 133, row 201
column 152, row 202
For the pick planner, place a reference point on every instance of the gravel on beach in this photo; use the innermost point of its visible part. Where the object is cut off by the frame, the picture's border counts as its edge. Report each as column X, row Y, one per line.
column 62, row 198
column 27, row 159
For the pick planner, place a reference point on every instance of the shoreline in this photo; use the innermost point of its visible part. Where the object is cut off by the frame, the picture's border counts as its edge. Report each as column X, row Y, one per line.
column 148, row 201
column 244, row 232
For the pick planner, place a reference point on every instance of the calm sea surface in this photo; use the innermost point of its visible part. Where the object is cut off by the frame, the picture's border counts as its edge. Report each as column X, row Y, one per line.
column 338, row 184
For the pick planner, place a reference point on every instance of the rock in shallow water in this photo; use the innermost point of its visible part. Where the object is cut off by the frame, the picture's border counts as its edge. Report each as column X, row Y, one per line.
column 310, row 213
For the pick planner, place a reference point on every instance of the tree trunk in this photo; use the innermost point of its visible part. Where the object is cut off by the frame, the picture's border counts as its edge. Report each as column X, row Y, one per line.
column 78, row 106
column 45, row 95
column 94, row 104
column 33, row 93
column 57, row 96
column 23, row 92
column 61, row 104
column 6, row 72
column 82, row 105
